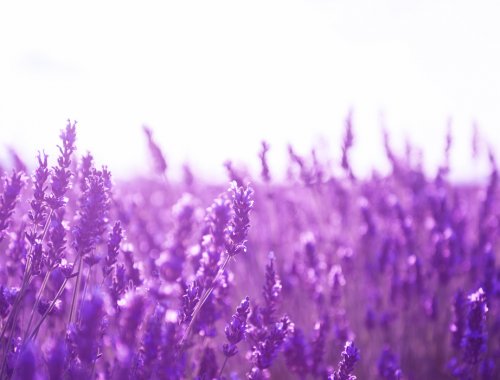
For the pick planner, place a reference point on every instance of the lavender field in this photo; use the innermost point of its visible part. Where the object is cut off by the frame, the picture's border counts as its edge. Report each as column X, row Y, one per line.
column 323, row 275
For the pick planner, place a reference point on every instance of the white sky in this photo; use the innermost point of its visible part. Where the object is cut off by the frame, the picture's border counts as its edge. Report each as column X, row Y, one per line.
column 213, row 78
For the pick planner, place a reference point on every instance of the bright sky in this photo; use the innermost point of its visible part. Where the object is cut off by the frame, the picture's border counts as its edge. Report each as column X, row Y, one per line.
column 213, row 78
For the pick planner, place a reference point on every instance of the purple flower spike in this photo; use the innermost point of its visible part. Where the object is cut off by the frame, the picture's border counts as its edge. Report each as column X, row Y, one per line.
column 475, row 336
column 158, row 158
column 115, row 238
column 388, row 367
column 9, row 199
column 37, row 213
column 235, row 330
column 189, row 301
column 350, row 356
column 458, row 326
column 93, row 214
column 266, row 177
column 88, row 331
column 208, row 366
column 242, row 199
column 271, row 291
column 266, row 351
column 61, row 174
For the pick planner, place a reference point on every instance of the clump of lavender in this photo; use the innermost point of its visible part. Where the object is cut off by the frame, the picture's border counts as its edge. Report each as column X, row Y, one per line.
column 208, row 365
column 114, row 240
column 38, row 211
column 86, row 335
column 57, row 358
column 271, row 292
column 151, row 341
column 93, row 214
column 388, row 367
column 475, row 335
column 347, row 144
column 457, row 328
column 242, row 201
column 61, row 174
column 350, row 356
column 214, row 242
column 266, row 177
column 266, row 350
column 318, row 348
column 132, row 307
column 159, row 161
column 12, row 189
column 235, row 330
column 190, row 299
column 298, row 353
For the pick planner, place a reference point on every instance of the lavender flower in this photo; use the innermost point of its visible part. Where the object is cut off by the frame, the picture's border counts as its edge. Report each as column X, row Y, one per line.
column 242, row 200
column 235, row 330
column 189, row 301
column 132, row 308
column 114, row 240
column 208, row 365
column 86, row 168
column 93, row 213
column 350, row 356
column 9, row 199
column 26, row 364
column 152, row 339
column 319, row 346
column 475, row 335
column 159, row 161
column 57, row 241
column 266, row 177
column 61, row 175
column 271, row 291
column 171, row 361
column 298, row 353
column 346, row 146
column 38, row 210
column 388, row 367
column 218, row 217
column 266, row 350
column 57, row 359
column 87, row 333
column 457, row 328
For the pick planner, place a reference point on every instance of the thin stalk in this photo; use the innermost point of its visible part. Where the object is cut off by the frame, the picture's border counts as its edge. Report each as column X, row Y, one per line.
column 19, row 296
column 49, row 310
column 13, row 314
column 26, row 277
column 85, row 287
column 7, row 346
column 37, row 301
column 204, row 298
column 223, row 365
column 46, row 227
column 15, row 308
column 75, row 291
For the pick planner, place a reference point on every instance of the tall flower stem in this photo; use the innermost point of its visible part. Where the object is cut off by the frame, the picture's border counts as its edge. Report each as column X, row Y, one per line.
column 203, row 299
column 75, row 290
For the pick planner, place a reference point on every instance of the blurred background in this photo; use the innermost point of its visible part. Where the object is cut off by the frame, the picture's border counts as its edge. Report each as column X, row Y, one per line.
column 214, row 78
